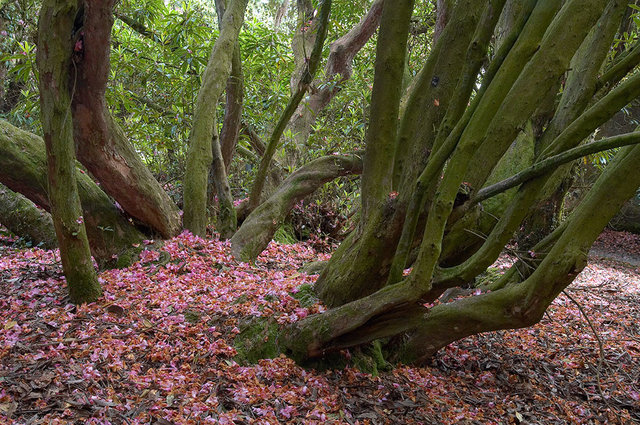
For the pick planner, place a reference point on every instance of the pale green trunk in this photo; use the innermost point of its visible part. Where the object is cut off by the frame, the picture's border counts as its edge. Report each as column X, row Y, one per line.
column 200, row 154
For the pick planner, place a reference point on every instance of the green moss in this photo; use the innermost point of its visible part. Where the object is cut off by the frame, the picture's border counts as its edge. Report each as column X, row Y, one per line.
column 257, row 340
column 192, row 316
column 370, row 359
column 315, row 267
column 489, row 276
column 241, row 299
column 305, row 295
column 127, row 257
column 285, row 234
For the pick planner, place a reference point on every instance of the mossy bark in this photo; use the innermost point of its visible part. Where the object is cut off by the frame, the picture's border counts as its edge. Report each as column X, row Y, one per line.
column 362, row 263
column 23, row 168
column 55, row 29
column 259, row 227
column 524, row 304
column 201, row 153
column 527, row 70
column 23, row 218
column 579, row 89
column 232, row 109
column 306, row 77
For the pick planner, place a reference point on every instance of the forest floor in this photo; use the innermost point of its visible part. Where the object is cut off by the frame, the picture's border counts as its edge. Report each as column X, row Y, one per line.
column 158, row 349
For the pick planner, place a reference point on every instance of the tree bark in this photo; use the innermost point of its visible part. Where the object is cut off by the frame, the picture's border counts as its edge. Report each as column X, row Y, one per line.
column 337, row 72
column 55, row 29
column 259, row 227
column 24, row 219
column 362, row 263
column 101, row 144
column 311, row 66
column 234, row 93
column 201, row 154
column 23, row 168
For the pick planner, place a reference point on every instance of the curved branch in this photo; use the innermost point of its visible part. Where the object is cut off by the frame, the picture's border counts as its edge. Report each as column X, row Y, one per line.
column 337, row 71
column 303, row 85
column 258, row 229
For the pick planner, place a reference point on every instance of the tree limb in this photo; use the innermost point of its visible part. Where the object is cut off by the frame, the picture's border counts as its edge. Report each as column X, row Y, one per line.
column 303, row 85
column 550, row 164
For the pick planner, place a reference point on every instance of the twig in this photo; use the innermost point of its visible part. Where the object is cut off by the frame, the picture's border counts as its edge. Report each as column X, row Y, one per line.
column 600, row 345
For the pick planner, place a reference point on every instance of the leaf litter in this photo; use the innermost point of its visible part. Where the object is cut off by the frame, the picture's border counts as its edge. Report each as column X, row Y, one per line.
column 157, row 348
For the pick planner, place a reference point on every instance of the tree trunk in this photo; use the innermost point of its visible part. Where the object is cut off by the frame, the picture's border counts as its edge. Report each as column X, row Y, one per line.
column 234, row 93
column 362, row 263
column 337, row 72
column 55, row 29
column 232, row 109
column 24, row 219
column 370, row 308
column 201, row 153
column 258, row 229
column 23, row 168
column 101, row 144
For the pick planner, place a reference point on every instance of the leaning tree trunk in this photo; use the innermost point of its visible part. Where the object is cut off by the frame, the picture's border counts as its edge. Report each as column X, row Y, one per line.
column 23, row 168
column 202, row 152
column 23, row 218
column 55, row 30
column 259, row 227
column 337, row 72
column 579, row 89
column 102, row 145
column 311, row 64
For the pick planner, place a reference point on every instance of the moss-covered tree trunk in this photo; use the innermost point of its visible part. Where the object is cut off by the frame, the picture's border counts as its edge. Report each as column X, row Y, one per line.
column 23, row 168
column 202, row 152
column 234, row 93
column 55, row 42
column 433, row 186
column 23, row 218
column 259, row 227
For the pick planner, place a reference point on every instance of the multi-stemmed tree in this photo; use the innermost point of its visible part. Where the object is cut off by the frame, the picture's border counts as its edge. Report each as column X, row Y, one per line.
column 455, row 162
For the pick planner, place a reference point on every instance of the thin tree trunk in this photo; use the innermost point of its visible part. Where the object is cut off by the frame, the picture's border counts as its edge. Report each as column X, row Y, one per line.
column 303, row 84
column 337, row 72
column 54, row 61
column 234, row 93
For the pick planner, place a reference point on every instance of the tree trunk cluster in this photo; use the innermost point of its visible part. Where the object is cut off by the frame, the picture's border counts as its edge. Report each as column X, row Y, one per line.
column 457, row 164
